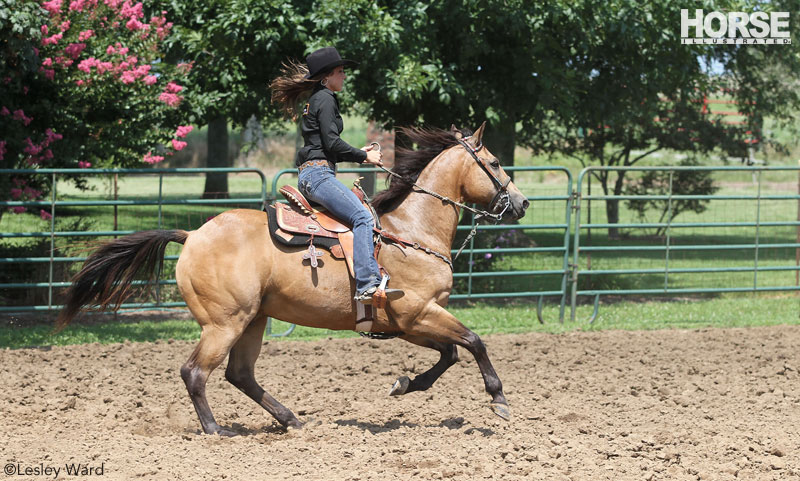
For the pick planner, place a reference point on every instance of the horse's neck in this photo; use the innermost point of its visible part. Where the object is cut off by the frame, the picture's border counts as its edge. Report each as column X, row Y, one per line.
column 423, row 218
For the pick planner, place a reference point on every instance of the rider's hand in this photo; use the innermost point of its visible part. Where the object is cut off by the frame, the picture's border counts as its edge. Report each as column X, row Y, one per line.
column 373, row 157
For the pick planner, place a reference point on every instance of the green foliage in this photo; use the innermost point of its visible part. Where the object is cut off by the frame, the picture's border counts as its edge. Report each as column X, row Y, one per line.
column 484, row 319
column 662, row 182
column 236, row 47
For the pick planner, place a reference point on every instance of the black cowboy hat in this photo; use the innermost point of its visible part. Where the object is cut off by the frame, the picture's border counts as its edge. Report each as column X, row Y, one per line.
column 324, row 59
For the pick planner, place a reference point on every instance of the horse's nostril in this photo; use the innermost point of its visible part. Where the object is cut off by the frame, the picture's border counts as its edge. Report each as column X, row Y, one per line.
column 525, row 204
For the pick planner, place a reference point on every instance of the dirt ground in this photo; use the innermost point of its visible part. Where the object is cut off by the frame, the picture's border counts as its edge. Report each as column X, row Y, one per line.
column 661, row 405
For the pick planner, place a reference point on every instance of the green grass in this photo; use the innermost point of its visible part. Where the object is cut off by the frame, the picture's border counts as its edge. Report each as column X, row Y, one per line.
column 719, row 312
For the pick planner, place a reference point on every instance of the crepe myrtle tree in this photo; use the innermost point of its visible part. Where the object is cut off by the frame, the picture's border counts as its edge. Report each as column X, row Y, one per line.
column 83, row 84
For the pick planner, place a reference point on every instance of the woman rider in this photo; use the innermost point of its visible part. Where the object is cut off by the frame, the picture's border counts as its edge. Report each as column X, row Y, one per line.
column 322, row 76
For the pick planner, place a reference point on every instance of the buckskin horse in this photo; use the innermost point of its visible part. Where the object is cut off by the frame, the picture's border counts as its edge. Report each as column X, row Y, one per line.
column 233, row 275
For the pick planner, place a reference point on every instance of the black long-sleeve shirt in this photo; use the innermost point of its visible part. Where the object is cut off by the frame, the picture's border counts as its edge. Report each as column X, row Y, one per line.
column 321, row 127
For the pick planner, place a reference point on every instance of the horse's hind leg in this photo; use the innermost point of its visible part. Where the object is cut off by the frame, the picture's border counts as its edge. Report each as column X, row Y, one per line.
column 210, row 352
column 241, row 364
column 424, row 381
column 440, row 325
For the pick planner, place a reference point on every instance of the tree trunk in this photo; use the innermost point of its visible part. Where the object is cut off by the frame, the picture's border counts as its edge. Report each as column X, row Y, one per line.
column 500, row 138
column 612, row 205
column 217, row 183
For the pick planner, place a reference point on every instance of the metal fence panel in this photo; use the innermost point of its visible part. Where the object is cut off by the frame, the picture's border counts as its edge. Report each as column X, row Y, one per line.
column 754, row 201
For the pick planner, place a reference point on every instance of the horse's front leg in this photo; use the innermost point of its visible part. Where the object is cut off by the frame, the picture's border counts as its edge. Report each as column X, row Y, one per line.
column 438, row 324
column 448, row 357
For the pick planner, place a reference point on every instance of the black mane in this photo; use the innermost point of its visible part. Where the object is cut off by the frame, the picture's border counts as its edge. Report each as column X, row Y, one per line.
column 408, row 163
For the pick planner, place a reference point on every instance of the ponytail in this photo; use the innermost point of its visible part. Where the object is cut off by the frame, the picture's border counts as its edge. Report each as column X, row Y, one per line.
column 291, row 86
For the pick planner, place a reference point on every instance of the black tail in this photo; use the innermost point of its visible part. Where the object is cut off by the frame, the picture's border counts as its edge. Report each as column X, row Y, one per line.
column 106, row 277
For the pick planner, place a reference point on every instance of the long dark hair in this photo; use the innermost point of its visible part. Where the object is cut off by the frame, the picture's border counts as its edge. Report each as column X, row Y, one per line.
column 409, row 163
column 292, row 86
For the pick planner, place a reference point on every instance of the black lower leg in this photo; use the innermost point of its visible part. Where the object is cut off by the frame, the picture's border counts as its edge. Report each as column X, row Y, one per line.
column 424, row 381
column 492, row 382
column 246, row 383
column 195, row 380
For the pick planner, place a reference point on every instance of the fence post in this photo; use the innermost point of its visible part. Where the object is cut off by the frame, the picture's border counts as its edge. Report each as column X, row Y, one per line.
column 52, row 242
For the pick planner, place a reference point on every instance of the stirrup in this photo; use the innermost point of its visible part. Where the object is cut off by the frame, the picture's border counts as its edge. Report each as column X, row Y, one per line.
column 379, row 295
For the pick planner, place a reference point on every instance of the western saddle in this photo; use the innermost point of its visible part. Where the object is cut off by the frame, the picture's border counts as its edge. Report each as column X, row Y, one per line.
column 300, row 219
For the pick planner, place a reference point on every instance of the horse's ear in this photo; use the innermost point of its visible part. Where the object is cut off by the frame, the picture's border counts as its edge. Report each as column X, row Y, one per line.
column 478, row 135
column 456, row 133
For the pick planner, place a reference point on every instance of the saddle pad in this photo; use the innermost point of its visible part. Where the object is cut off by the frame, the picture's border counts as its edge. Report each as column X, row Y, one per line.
column 299, row 240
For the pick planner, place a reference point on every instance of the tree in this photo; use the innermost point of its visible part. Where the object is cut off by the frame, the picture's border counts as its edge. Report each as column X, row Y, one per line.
column 635, row 90
column 235, row 47
column 82, row 86
column 459, row 62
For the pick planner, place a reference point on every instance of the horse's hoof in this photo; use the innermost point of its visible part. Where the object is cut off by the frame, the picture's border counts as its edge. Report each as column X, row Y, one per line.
column 226, row 433
column 501, row 410
column 400, row 386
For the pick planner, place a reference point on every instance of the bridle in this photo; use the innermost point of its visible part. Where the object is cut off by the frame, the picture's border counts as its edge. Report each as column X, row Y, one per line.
column 501, row 195
column 502, row 189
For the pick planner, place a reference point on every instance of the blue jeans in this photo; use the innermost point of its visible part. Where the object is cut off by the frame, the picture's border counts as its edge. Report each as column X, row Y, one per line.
column 319, row 184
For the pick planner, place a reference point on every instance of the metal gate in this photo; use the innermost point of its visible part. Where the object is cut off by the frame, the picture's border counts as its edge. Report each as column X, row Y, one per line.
column 769, row 246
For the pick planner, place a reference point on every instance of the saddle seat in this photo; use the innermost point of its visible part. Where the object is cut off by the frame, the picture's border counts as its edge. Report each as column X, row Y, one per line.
column 305, row 219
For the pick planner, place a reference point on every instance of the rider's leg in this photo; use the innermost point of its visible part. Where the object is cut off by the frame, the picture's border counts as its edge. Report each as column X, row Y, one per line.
column 320, row 185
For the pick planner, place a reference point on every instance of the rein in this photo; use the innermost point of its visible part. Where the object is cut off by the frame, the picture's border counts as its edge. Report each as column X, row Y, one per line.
column 502, row 194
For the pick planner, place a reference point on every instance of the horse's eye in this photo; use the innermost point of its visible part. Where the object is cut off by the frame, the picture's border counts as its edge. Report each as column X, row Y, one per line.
column 495, row 164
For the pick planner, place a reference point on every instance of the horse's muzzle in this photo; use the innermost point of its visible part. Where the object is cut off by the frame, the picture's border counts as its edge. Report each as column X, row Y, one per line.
column 514, row 206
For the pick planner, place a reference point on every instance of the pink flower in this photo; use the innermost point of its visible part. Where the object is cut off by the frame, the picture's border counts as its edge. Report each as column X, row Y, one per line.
column 114, row 4
column 170, row 99
column 64, row 25
column 48, row 154
column 123, row 51
column 16, row 193
column 104, row 67
column 2, row 149
column 45, row 215
column 111, row 50
column 48, row 62
column 183, row 130
column 85, row 35
column 87, row 64
column 49, row 74
column 74, row 49
column 52, row 136
column 79, row 82
column 32, row 193
column 20, row 115
column 134, row 24
column 30, row 148
column 142, row 70
column 185, row 67
column 45, row 30
column 128, row 77
column 152, row 159
column 52, row 39
column 25, row 89
column 53, row 6
column 84, row 165
column 131, row 11
column 178, row 144
column 150, row 80
column 4, row 111
column 173, row 88
column 18, row 210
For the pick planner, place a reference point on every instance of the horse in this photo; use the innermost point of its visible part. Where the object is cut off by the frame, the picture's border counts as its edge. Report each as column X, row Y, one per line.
column 233, row 275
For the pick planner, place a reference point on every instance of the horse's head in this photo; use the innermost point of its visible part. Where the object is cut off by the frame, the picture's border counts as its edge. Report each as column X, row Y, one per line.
column 485, row 182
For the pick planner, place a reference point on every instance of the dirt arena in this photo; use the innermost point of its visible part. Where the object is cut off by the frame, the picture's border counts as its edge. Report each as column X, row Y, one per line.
column 718, row 404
